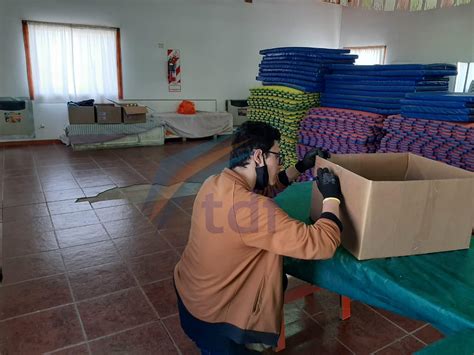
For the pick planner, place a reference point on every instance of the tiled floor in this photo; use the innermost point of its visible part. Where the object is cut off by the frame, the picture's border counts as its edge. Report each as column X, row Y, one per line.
column 84, row 277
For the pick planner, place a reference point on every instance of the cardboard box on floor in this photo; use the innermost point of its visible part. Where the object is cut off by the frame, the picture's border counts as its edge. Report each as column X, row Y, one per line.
column 108, row 113
column 399, row 204
column 81, row 114
column 134, row 114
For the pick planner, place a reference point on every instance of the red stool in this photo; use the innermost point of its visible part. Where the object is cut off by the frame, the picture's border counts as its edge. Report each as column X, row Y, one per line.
column 303, row 291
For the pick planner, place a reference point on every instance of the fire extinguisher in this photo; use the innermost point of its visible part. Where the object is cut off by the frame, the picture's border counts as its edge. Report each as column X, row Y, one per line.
column 172, row 69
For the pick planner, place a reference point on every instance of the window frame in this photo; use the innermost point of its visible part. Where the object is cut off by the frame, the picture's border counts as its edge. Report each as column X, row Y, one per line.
column 384, row 46
column 26, row 42
column 468, row 74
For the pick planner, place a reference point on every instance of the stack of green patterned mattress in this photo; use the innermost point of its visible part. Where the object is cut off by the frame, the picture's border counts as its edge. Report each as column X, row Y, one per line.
column 283, row 108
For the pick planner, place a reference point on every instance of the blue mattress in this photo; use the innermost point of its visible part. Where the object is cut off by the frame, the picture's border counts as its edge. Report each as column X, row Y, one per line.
column 291, row 71
column 399, row 95
column 439, row 117
column 286, row 60
column 305, row 50
column 381, row 105
column 440, row 103
column 316, row 57
column 440, row 82
column 291, row 79
column 388, row 100
column 377, row 79
column 386, row 88
column 298, row 86
column 279, row 76
column 319, row 63
column 438, row 110
column 401, row 73
column 459, row 97
column 306, row 66
column 390, row 67
column 362, row 108
column 364, row 79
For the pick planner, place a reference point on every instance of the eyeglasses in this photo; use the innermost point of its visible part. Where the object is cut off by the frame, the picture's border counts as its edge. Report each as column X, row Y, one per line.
column 279, row 156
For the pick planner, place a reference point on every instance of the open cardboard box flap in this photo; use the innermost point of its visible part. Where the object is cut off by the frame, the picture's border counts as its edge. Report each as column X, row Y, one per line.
column 135, row 110
column 400, row 204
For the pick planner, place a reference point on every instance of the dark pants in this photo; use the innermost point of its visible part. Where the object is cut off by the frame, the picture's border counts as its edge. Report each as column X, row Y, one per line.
column 217, row 344
column 231, row 349
column 209, row 344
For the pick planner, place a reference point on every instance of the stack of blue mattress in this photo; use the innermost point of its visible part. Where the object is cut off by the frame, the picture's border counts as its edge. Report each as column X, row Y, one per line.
column 379, row 88
column 301, row 68
column 445, row 107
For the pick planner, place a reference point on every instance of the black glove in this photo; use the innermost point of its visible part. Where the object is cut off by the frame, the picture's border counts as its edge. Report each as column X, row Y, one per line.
column 310, row 159
column 328, row 184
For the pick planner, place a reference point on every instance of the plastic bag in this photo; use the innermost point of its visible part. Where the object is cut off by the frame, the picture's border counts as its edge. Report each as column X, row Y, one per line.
column 187, row 108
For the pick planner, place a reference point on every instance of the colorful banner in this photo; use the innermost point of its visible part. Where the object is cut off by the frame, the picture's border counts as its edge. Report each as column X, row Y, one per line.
column 403, row 5
column 378, row 5
column 431, row 4
column 389, row 5
column 416, row 5
column 354, row 3
column 447, row 3
column 367, row 4
column 400, row 5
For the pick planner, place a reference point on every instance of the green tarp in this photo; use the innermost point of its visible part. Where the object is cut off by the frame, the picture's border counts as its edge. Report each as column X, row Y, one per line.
column 457, row 344
column 437, row 288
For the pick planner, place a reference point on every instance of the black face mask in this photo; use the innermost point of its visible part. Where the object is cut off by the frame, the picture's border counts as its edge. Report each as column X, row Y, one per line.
column 262, row 177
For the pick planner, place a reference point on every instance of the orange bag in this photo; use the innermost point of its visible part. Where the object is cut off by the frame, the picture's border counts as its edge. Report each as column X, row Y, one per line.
column 186, row 107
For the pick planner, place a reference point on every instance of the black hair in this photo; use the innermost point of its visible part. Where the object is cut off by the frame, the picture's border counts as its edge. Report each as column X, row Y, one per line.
column 249, row 136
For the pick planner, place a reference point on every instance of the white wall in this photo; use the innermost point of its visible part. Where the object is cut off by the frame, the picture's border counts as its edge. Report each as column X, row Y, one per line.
column 219, row 42
column 442, row 35
column 2, row 54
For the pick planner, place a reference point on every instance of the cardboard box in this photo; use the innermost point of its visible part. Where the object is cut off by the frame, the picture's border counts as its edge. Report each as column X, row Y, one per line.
column 399, row 204
column 81, row 114
column 134, row 114
column 108, row 113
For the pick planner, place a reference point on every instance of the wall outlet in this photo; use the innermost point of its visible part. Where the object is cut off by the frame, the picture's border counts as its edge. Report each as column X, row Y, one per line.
column 42, row 126
column 161, row 45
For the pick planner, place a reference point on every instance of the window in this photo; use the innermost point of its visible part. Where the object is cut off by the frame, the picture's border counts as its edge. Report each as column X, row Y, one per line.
column 72, row 62
column 369, row 55
column 465, row 77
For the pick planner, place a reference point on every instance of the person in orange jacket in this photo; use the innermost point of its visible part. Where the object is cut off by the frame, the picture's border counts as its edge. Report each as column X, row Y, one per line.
column 229, row 278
